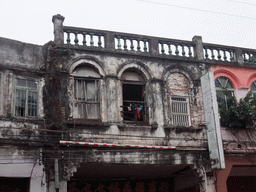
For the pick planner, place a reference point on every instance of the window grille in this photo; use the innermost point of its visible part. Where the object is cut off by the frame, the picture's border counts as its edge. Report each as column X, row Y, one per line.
column 180, row 111
column 87, row 103
column 25, row 97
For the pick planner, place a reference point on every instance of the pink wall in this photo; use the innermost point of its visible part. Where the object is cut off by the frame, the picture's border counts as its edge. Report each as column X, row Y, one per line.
column 222, row 176
column 239, row 76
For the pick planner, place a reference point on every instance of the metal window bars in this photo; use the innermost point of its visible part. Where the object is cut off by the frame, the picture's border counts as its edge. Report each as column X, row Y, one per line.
column 134, row 111
column 180, row 111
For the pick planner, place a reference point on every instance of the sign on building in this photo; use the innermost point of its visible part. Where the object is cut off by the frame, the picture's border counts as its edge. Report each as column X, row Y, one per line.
column 212, row 121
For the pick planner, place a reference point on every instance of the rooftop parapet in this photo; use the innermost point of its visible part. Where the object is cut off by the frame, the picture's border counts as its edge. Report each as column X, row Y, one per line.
column 194, row 50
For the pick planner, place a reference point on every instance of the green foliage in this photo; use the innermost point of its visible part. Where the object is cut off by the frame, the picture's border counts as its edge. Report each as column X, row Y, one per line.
column 240, row 114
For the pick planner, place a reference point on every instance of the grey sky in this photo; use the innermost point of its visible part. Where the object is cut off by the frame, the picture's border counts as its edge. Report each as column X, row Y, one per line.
column 226, row 22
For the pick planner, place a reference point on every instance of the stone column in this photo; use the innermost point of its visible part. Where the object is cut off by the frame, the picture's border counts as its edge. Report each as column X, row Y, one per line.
column 7, row 90
column 58, row 29
column 157, row 106
column 238, row 56
column 112, row 94
column 110, row 41
column 198, row 48
column 153, row 46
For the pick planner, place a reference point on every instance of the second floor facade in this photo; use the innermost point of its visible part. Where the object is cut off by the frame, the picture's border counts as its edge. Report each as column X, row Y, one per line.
column 113, row 87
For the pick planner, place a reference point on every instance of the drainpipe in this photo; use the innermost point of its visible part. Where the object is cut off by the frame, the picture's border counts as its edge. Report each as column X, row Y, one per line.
column 56, row 168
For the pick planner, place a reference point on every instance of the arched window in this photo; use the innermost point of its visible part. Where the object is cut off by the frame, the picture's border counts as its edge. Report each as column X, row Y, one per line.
column 224, row 90
column 134, row 106
column 253, row 87
column 178, row 87
column 86, row 93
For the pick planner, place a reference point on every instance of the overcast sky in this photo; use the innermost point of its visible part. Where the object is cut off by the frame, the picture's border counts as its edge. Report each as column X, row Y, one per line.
column 226, row 22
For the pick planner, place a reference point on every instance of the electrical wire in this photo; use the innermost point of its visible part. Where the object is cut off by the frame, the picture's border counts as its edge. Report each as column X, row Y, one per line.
column 245, row 3
column 196, row 9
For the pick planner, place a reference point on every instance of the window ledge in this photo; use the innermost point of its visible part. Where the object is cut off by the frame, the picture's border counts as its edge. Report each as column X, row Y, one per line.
column 21, row 119
column 136, row 125
column 92, row 122
column 179, row 129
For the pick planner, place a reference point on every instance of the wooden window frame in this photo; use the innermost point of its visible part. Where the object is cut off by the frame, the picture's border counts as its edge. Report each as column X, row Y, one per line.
column 30, row 109
column 81, row 104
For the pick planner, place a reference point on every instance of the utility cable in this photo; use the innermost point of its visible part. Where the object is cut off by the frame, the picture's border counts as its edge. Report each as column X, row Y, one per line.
column 196, row 9
column 245, row 3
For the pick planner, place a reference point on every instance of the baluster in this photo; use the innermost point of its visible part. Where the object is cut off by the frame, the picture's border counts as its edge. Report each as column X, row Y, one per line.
column 231, row 56
column 118, row 42
column 225, row 55
column 162, row 48
column 183, row 51
column 169, row 49
column 251, row 58
column 145, row 46
column 244, row 57
column 68, row 37
column 213, row 56
column 91, row 42
column 177, row 50
column 132, row 46
column 84, row 38
column 248, row 57
column 219, row 56
column 99, row 41
column 125, row 44
column 189, row 51
column 138, row 45
column 206, row 53
column 76, row 39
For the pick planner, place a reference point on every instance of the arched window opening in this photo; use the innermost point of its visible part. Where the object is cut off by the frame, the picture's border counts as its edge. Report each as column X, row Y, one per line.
column 253, row 87
column 86, row 93
column 178, row 87
column 134, row 108
column 224, row 91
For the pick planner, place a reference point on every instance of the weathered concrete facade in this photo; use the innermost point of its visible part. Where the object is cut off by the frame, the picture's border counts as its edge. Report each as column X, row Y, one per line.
column 20, row 147
column 106, row 111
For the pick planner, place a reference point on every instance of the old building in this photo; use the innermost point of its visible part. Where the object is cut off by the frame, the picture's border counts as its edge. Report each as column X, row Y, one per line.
column 98, row 110
column 239, row 137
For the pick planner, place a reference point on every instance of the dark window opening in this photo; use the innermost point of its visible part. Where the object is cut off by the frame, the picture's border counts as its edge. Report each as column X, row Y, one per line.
column 134, row 107
column 14, row 184
column 241, row 183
